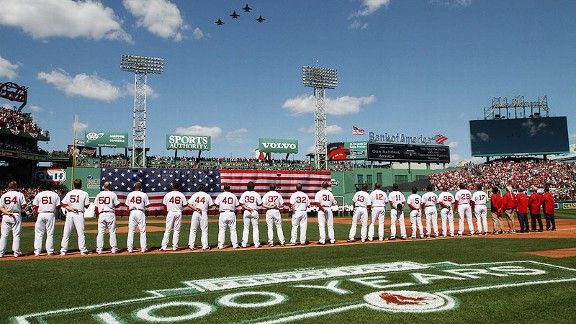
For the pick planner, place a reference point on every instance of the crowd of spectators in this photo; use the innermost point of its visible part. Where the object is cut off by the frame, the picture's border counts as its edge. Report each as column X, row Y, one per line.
column 19, row 122
column 561, row 177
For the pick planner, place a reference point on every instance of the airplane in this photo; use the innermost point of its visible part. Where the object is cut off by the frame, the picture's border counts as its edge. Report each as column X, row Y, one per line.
column 247, row 8
column 234, row 15
column 260, row 19
column 219, row 22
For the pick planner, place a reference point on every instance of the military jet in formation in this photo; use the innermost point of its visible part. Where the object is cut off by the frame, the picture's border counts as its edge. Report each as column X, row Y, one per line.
column 235, row 15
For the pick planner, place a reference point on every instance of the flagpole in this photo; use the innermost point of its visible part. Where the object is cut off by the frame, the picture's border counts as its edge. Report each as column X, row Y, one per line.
column 74, row 128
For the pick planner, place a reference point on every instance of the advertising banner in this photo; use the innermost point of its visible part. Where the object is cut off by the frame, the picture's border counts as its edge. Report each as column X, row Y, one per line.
column 188, row 142
column 408, row 153
column 348, row 151
column 272, row 145
column 106, row 139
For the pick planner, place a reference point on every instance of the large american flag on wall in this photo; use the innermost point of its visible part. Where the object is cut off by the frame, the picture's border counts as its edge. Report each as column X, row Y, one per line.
column 157, row 182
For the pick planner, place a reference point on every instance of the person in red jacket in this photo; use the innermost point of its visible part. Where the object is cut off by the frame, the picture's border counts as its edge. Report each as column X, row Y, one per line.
column 548, row 205
column 522, row 209
column 509, row 208
column 496, row 208
column 535, row 202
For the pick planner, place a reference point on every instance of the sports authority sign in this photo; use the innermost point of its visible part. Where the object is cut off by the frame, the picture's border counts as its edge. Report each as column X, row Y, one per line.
column 188, row 142
column 271, row 145
column 395, row 287
column 106, row 139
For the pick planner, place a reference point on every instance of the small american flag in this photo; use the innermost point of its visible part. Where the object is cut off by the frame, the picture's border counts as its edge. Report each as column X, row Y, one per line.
column 440, row 139
column 357, row 131
column 157, row 182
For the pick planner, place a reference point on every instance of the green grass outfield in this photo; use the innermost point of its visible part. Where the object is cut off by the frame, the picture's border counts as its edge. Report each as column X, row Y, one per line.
column 504, row 292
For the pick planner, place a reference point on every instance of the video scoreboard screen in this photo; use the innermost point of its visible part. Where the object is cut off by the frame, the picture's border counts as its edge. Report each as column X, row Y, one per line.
column 544, row 135
column 408, row 153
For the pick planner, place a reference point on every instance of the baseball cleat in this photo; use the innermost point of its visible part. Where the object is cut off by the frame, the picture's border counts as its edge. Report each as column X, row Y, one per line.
column 282, row 244
column 130, row 250
column 114, row 251
column 292, row 244
column 392, row 238
column 332, row 241
column 191, row 247
column 271, row 244
column 244, row 245
column 163, row 249
column 206, row 248
column 62, row 253
column 175, row 248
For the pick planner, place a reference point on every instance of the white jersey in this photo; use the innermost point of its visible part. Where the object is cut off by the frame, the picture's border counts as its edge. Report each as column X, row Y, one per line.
column 47, row 201
column 13, row 201
column 299, row 201
column 463, row 197
column 414, row 201
column 201, row 200
column 174, row 201
column 379, row 198
column 251, row 199
column 362, row 199
column 446, row 199
column 325, row 198
column 77, row 199
column 137, row 200
column 106, row 201
column 273, row 198
column 480, row 198
column 429, row 199
column 226, row 201
column 395, row 198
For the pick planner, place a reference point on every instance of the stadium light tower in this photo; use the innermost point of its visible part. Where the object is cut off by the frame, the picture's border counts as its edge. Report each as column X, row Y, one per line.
column 319, row 78
column 141, row 66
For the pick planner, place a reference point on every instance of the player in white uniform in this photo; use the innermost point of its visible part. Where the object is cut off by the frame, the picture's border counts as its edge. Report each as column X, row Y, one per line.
column 378, row 210
column 105, row 204
column 361, row 202
column 249, row 201
column 463, row 198
column 174, row 201
column 324, row 199
column 45, row 205
column 480, row 199
column 429, row 201
column 137, row 202
column 11, row 203
column 273, row 201
column 446, row 200
column 415, row 204
column 227, row 203
column 75, row 203
column 299, row 203
column 397, row 201
column 199, row 202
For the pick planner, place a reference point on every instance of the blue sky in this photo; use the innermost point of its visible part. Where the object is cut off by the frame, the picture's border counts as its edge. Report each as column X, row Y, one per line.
column 414, row 67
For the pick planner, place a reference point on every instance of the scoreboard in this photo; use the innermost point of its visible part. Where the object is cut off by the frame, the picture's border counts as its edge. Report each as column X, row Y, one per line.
column 408, row 153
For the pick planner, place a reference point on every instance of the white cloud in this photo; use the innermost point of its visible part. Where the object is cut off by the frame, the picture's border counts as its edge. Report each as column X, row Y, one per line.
column 340, row 106
column 62, row 18
column 573, row 137
column 8, row 69
column 150, row 93
column 453, row 144
column 237, row 135
column 79, row 126
column 368, row 7
column 198, row 34
column 452, row 3
column 330, row 129
column 160, row 17
column 200, row 130
column 358, row 25
column 35, row 108
column 82, row 85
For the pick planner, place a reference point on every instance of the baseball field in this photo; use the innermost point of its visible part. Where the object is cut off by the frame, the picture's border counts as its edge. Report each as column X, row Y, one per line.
column 528, row 278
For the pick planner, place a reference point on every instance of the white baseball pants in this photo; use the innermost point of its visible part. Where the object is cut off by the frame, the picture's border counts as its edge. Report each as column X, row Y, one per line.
column 44, row 224
column 73, row 220
column 11, row 224
column 326, row 219
column 360, row 214
column 106, row 221
column 251, row 218
column 199, row 220
column 416, row 221
column 394, row 217
column 273, row 217
column 480, row 211
column 299, row 219
column 377, row 213
column 137, row 219
column 431, row 220
column 465, row 211
column 447, row 221
column 173, row 221
column 227, row 220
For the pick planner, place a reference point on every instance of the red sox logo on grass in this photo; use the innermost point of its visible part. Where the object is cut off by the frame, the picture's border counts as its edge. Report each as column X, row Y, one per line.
column 394, row 287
